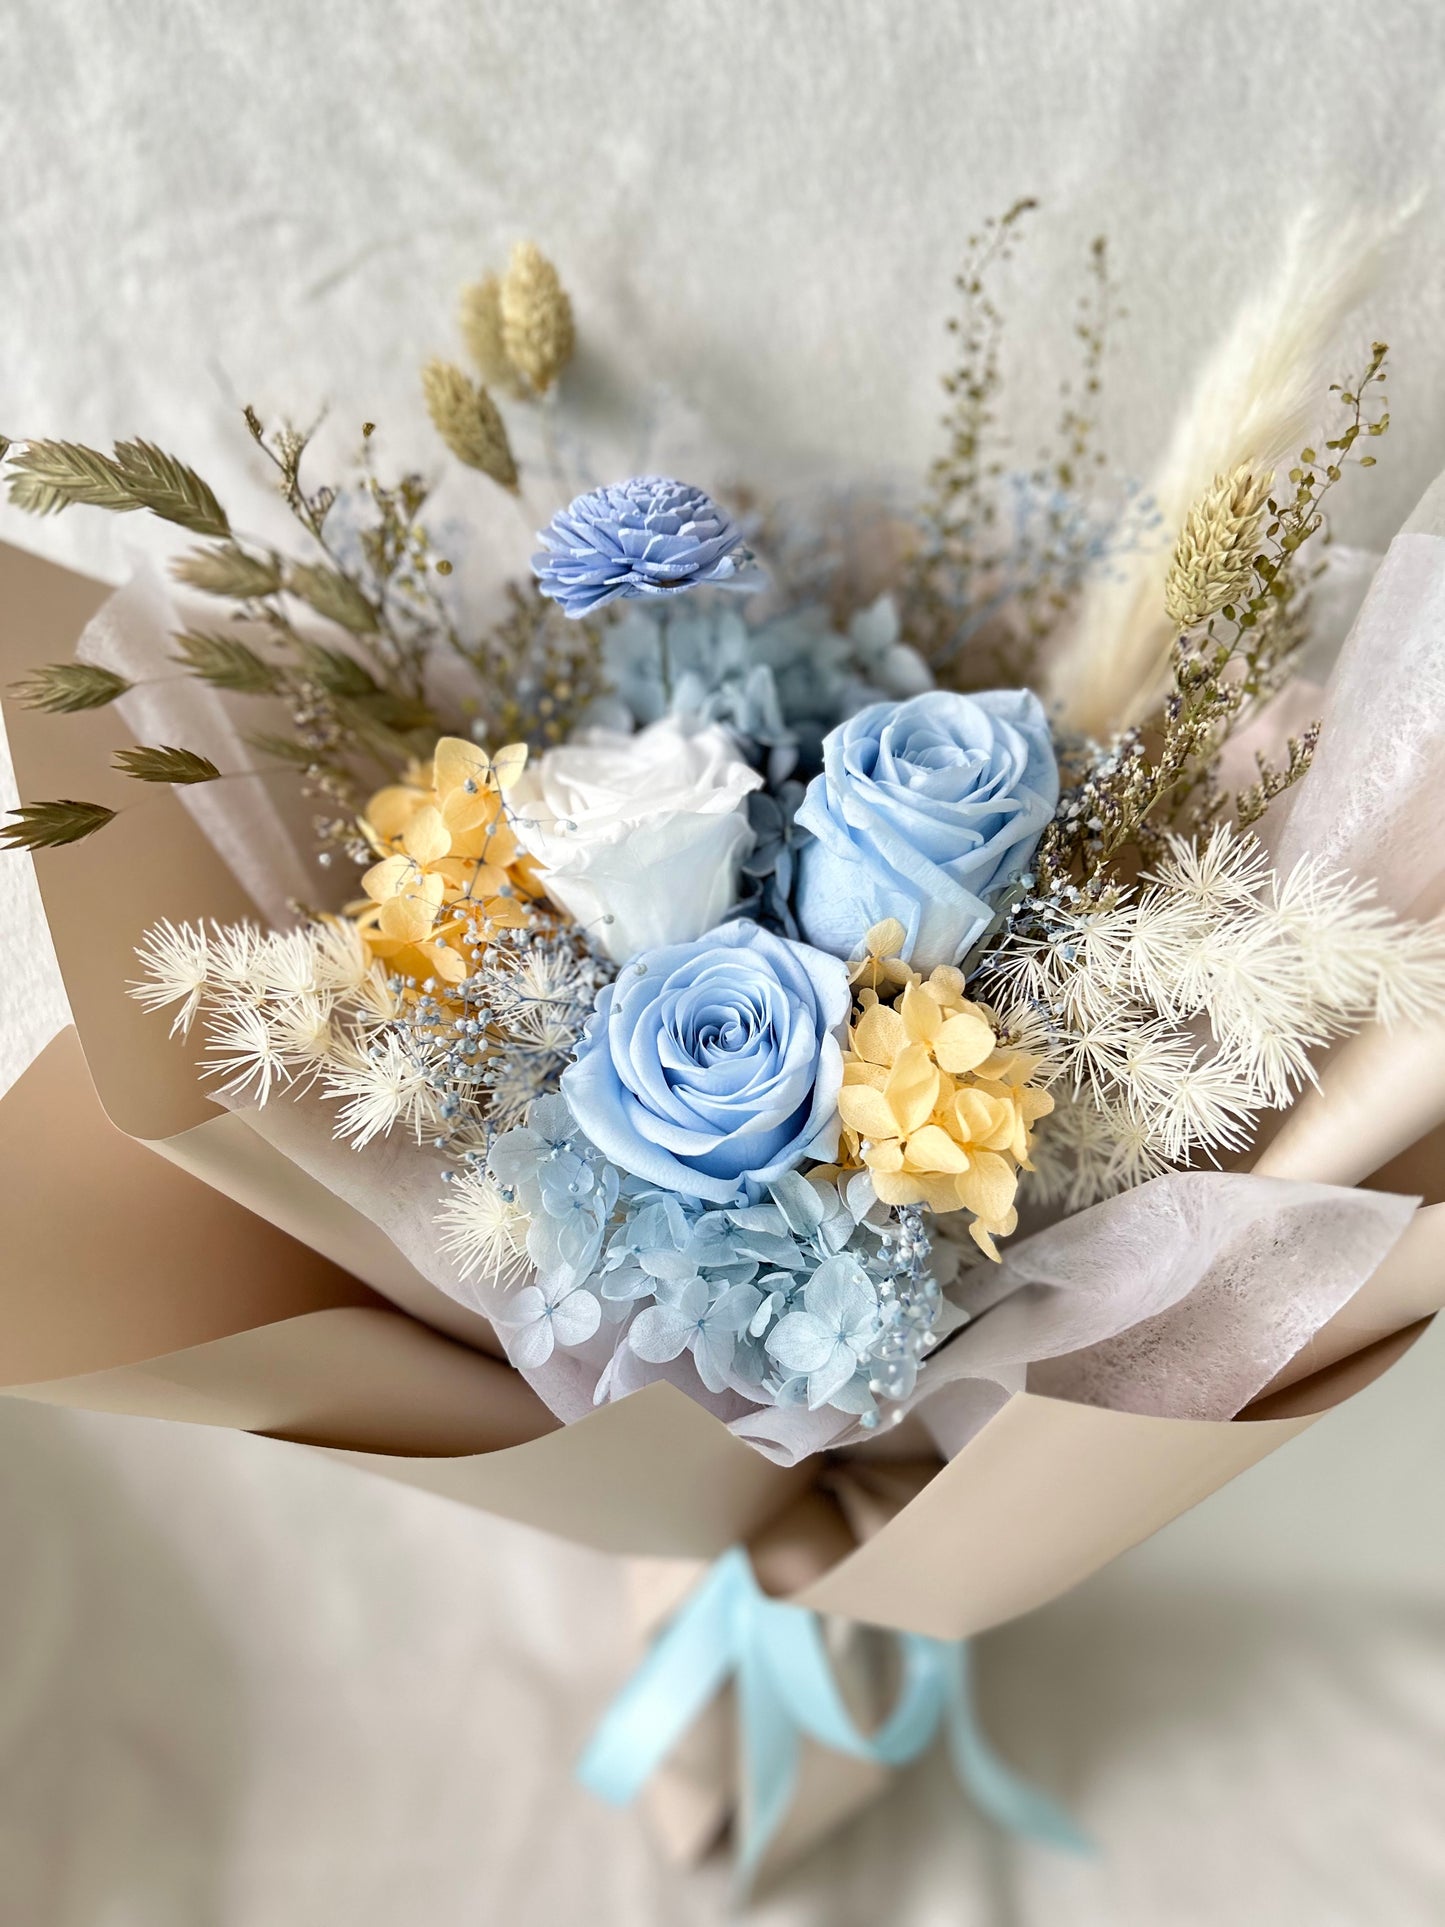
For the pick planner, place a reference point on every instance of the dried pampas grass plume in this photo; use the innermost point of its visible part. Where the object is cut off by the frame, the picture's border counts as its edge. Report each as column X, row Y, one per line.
column 1256, row 399
column 466, row 418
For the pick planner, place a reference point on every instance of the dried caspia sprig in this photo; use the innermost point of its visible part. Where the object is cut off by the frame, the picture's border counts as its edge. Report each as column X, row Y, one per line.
column 536, row 318
column 1250, row 804
column 1213, row 561
column 1004, row 550
column 467, row 419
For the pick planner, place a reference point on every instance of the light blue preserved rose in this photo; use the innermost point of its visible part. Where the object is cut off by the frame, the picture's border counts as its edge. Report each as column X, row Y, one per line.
column 925, row 811
column 650, row 536
column 714, row 1066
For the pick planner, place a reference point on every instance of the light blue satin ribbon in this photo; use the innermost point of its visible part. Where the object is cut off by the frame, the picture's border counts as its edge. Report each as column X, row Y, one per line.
column 728, row 1629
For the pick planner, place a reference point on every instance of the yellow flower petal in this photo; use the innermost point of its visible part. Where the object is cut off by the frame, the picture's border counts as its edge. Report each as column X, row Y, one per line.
column 469, row 879
column 884, row 1154
column 932, row 1149
column 987, row 1187
column 446, row 963
column 963, row 1042
column 886, row 939
column 457, row 762
column 467, row 813
column 390, row 810
column 1008, row 1066
column 922, row 1018
column 912, row 1088
column 900, row 1189
column 384, row 879
column 982, row 1239
column 866, row 1111
column 857, row 1070
column 879, row 1034
column 427, row 837
column 408, row 918
column 985, row 1121
column 945, row 986
column 508, row 764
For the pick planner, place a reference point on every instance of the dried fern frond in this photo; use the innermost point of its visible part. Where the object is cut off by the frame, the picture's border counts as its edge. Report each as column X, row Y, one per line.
column 1252, row 405
column 48, row 826
column 164, row 763
column 65, row 687
column 537, row 332
column 466, row 418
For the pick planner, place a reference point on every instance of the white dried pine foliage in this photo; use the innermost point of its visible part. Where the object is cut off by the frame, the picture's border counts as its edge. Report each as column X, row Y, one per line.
column 1199, row 1001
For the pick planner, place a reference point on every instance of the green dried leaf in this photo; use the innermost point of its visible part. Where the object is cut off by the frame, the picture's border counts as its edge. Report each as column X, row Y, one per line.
column 226, row 663
column 228, row 571
column 46, row 826
column 49, row 476
column 64, row 687
column 165, row 764
column 333, row 596
column 336, row 672
column 169, row 489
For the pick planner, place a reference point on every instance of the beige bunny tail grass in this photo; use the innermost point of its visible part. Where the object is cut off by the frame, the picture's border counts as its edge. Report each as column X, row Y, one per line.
column 1258, row 398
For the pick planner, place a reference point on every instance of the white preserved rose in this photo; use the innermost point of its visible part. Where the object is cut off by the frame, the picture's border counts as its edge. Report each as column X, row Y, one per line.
column 639, row 837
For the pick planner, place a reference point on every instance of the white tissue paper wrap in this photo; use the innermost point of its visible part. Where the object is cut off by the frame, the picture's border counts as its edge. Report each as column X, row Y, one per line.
column 1182, row 1298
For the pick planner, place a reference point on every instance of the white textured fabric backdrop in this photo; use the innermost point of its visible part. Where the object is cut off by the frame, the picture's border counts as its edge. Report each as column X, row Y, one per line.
column 241, row 1691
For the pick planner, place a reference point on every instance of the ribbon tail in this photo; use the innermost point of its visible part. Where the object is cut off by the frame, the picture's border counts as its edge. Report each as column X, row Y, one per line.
column 995, row 1788
column 769, row 1747
column 689, row 1662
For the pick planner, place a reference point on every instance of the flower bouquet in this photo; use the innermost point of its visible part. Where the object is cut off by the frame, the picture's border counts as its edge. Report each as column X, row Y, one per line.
column 856, row 1033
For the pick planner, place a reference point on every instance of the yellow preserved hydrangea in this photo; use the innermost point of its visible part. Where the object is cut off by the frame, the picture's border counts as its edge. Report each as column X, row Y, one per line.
column 448, row 859
column 937, row 1108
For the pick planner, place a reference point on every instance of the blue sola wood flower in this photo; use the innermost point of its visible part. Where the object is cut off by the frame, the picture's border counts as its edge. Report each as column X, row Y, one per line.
column 650, row 536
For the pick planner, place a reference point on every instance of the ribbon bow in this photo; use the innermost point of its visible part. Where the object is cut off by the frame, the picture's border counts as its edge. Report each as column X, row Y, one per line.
column 727, row 1628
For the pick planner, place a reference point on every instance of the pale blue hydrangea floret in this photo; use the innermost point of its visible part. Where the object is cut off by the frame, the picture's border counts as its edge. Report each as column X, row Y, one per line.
column 778, row 686
column 566, row 1187
column 650, row 536
column 802, row 1300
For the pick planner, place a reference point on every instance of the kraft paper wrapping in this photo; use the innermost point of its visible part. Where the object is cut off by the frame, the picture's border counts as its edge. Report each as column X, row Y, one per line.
column 1044, row 1495
column 101, row 896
